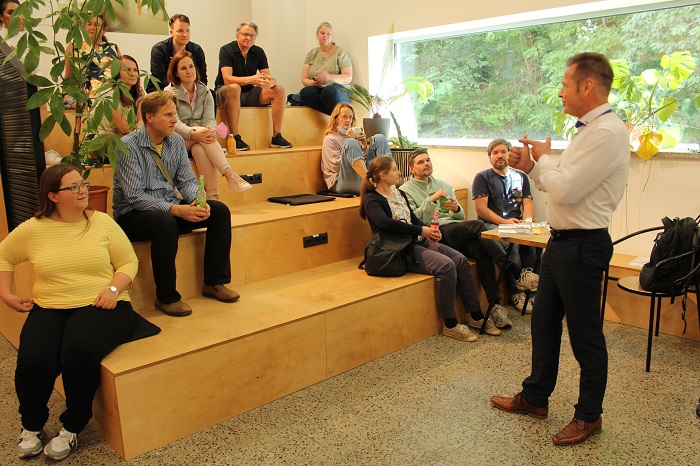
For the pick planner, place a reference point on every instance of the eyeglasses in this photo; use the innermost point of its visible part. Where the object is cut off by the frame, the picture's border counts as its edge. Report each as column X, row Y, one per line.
column 75, row 188
column 247, row 34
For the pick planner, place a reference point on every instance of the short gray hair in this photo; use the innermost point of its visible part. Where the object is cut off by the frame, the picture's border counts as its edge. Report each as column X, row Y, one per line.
column 251, row 24
column 497, row 142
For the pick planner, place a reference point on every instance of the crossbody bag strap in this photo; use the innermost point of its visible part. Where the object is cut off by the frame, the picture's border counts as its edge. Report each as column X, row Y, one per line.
column 166, row 174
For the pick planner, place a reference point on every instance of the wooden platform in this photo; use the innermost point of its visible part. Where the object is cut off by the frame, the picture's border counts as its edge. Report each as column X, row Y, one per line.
column 305, row 314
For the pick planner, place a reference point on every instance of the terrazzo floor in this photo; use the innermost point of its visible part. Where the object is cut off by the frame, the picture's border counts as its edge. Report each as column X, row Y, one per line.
column 429, row 404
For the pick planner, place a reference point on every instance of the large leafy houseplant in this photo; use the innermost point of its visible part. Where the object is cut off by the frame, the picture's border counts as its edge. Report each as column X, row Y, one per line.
column 67, row 21
column 646, row 103
column 375, row 103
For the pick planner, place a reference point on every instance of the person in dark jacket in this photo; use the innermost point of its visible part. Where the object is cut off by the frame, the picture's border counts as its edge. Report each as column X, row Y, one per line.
column 165, row 50
column 386, row 209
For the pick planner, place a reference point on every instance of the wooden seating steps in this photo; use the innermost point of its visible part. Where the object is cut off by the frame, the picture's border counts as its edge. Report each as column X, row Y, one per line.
column 304, row 314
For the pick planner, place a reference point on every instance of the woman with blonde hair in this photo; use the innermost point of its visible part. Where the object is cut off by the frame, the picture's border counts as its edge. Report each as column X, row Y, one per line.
column 344, row 154
column 386, row 209
column 197, row 124
column 326, row 70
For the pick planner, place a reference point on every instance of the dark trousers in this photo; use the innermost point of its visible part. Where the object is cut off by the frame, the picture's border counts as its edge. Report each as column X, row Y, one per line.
column 323, row 99
column 521, row 256
column 453, row 276
column 466, row 238
column 571, row 275
column 70, row 342
column 163, row 230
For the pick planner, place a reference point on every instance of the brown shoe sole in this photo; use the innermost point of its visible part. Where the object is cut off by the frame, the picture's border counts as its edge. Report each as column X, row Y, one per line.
column 212, row 295
column 528, row 413
column 173, row 314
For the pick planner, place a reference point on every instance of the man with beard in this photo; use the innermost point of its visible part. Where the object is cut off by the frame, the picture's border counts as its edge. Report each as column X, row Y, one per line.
column 502, row 195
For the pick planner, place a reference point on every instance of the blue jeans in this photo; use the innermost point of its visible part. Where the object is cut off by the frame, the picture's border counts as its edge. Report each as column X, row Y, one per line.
column 348, row 179
column 323, row 99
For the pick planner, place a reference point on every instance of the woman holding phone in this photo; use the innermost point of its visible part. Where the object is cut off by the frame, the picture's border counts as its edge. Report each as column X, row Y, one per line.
column 346, row 153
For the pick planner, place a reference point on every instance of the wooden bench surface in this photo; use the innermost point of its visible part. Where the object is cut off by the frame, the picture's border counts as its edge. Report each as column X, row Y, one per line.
column 263, row 305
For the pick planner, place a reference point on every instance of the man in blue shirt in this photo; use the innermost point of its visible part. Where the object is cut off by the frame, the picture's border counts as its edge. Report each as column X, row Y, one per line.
column 502, row 195
column 154, row 194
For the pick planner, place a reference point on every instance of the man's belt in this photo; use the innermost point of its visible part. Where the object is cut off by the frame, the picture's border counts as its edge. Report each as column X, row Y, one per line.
column 575, row 233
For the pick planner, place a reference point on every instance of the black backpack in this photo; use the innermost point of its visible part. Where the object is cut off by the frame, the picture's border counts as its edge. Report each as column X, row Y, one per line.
column 679, row 236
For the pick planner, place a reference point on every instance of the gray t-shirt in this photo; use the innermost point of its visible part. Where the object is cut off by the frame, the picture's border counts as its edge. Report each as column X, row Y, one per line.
column 333, row 63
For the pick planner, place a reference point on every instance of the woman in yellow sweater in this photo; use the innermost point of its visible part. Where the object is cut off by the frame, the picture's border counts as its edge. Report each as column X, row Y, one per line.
column 79, row 312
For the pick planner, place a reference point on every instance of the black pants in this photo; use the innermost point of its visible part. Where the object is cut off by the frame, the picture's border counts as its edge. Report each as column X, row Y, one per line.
column 466, row 238
column 70, row 342
column 163, row 230
column 571, row 275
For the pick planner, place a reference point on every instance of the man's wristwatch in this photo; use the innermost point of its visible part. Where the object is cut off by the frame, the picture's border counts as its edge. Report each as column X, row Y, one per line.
column 113, row 289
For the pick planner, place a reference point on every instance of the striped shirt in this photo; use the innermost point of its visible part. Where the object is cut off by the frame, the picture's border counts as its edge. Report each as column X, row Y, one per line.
column 72, row 266
column 138, row 182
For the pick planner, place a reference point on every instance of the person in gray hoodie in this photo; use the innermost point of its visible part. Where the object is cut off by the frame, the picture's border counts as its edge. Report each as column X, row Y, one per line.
column 197, row 125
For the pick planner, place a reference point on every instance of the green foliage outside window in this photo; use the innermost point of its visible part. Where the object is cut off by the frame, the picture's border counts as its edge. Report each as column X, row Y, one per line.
column 488, row 83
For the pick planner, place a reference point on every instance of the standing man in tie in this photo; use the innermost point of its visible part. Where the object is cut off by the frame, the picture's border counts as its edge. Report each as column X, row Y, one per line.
column 585, row 186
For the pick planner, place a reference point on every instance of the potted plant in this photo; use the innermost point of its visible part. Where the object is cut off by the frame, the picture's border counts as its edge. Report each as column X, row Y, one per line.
column 646, row 103
column 375, row 103
column 67, row 20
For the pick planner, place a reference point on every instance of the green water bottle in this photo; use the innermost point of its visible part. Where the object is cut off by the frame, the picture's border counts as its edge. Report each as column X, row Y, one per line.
column 440, row 201
column 201, row 200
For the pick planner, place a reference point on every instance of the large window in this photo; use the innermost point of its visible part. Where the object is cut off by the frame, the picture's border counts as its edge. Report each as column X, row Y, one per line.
column 488, row 83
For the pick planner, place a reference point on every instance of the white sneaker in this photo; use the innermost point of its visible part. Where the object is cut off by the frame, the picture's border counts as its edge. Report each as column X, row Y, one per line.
column 238, row 184
column 29, row 443
column 61, row 445
column 490, row 329
column 499, row 314
column 528, row 280
column 460, row 332
column 518, row 300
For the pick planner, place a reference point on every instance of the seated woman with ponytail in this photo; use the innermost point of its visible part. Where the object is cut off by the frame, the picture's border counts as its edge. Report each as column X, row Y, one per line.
column 386, row 209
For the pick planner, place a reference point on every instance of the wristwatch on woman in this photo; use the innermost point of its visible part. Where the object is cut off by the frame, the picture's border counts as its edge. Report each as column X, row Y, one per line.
column 113, row 289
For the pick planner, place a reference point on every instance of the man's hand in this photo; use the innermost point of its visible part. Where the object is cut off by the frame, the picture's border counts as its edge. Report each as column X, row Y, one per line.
column 451, row 204
column 537, row 148
column 191, row 212
column 519, row 158
column 437, row 195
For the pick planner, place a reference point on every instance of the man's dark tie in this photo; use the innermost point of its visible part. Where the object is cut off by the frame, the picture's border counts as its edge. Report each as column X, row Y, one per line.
column 579, row 123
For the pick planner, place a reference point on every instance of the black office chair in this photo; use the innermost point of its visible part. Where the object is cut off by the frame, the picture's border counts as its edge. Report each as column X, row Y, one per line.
column 689, row 283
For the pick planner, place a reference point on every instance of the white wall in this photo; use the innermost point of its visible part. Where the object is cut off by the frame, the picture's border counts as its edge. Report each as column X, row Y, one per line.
column 655, row 189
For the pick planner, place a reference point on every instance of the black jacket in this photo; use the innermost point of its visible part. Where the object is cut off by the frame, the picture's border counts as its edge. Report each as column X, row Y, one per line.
column 379, row 216
column 163, row 52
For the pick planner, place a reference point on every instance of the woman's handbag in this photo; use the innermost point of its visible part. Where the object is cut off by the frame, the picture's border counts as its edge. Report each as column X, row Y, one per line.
column 388, row 254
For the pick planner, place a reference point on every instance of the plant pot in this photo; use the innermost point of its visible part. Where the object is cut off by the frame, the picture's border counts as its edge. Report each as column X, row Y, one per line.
column 97, row 198
column 401, row 158
column 374, row 126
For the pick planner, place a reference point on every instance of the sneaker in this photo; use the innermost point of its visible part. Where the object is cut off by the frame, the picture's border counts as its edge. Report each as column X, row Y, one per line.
column 29, row 443
column 240, row 143
column 491, row 328
column 221, row 293
column 61, row 445
column 279, row 141
column 238, row 184
column 460, row 332
column 499, row 314
column 176, row 309
column 528, row 280
column 518, row 300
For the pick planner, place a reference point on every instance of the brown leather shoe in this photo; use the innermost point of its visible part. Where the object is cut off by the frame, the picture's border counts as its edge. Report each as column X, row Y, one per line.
column 221, row 293
column 577, row 431
column 518, row 404
column 176, row 309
